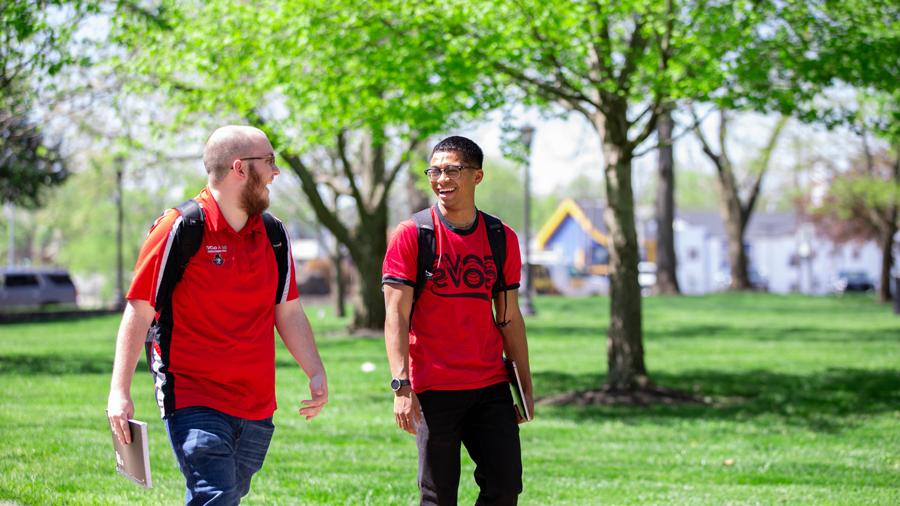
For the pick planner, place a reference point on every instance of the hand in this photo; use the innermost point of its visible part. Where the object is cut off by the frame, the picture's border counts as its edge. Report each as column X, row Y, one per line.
column 119, row 409
column 318, row 388
column 406, row 409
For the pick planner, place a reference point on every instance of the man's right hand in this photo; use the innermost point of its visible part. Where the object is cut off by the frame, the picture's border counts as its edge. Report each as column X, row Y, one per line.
column 406, row 409
column 119, row 409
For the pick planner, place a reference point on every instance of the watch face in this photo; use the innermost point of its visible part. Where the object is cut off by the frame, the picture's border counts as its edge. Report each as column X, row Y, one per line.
column 395, row 384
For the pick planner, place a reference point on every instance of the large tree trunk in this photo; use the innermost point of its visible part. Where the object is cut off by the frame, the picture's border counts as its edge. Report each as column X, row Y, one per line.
column 371, row 238
column 666, row 263
column 625, row 349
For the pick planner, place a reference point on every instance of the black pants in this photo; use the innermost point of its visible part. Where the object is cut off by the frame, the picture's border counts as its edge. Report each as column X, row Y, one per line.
column 485, row 422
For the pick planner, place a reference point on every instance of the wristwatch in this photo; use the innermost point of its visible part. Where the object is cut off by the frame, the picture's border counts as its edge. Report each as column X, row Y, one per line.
column 397, row 384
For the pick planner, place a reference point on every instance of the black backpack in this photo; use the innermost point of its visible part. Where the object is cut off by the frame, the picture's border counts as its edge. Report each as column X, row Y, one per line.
column 185, row 244
column 427, row 247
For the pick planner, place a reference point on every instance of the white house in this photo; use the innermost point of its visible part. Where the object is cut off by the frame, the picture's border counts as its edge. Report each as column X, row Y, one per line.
column 785, row 253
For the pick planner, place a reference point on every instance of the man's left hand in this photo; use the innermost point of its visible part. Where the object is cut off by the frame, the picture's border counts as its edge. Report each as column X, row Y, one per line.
column 318, row 388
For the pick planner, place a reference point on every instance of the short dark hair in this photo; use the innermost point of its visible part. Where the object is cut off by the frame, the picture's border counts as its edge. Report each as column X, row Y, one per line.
column 466, row 149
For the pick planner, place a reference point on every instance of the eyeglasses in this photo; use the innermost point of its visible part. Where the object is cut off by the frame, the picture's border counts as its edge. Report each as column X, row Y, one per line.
column 451, row 171
column 270, row 160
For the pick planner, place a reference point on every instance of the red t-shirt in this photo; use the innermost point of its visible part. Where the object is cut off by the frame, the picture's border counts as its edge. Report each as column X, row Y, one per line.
column 221, row 353
column 453, row 342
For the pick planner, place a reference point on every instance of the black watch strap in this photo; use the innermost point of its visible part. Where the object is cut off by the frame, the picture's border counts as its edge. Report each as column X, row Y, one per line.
column 397, row 384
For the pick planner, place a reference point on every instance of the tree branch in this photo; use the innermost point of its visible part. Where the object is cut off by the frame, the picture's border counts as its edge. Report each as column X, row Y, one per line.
column 549, row 91
column 348, row 172
column 763, row 168
column 635, row 47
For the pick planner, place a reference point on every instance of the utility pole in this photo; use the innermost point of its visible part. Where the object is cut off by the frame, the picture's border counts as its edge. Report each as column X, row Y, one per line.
column 527, row 305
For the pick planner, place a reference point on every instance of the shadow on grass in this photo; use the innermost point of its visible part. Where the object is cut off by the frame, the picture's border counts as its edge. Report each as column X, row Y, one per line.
column 776, row 334
column 828, row 401
column 57, row 365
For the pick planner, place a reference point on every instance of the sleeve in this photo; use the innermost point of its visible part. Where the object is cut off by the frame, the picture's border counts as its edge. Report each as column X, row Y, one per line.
column 512, row 267
column 399, row 266
column 152, row 258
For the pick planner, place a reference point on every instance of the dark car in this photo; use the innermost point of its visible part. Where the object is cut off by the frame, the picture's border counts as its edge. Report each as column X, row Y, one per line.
column 853, row 281
column 27, row 287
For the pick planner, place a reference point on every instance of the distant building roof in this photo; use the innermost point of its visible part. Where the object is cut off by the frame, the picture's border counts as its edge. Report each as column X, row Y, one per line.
column 590, row 220
column 589, row 215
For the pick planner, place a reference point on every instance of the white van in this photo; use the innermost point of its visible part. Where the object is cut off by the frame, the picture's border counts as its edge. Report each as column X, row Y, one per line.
column 35, row 287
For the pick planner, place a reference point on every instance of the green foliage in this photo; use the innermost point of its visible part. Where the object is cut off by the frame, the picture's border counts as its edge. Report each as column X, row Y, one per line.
column 811, row 45
column 802, row 394
column 310, row 69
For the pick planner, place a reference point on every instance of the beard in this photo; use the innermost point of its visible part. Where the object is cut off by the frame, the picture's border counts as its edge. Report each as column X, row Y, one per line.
column 254, row 200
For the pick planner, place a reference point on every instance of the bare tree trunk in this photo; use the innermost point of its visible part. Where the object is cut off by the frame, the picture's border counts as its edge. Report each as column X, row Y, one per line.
column 666, row 262
column 625, row 349
column 733, row 215
column 887, row 260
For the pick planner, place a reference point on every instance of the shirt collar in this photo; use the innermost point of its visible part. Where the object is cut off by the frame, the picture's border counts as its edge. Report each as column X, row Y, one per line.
column 216, row 221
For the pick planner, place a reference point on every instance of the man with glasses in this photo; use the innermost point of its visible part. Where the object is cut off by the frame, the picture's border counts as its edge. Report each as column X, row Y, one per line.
column 446, row 356
column 213, row 352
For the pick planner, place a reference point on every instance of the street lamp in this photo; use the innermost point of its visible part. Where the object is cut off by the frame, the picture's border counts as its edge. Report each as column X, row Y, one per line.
column 527, row 306
column 120, row 289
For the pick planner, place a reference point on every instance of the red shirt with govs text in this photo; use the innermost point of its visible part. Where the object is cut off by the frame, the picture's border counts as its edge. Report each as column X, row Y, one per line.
column 221, row 353
column 453, row 342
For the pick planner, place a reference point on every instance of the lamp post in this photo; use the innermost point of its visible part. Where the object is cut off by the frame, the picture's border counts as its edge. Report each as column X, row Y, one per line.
column 120, row 292
column 527, row 305
column 11, row 246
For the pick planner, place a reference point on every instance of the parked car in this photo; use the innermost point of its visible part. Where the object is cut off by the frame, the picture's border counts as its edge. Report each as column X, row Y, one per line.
column 853, row 281
column 29, row 287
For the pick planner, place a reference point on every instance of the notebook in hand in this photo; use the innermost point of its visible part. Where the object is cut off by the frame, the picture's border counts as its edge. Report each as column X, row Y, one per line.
column 515, row 384
column 133, row 460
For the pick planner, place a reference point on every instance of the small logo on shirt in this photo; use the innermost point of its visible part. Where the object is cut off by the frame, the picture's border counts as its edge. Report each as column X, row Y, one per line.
column 211, row 248
column 218, row 260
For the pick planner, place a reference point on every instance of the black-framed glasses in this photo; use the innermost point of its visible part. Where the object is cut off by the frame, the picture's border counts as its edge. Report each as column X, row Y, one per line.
column 269, row 159
column 452, row 171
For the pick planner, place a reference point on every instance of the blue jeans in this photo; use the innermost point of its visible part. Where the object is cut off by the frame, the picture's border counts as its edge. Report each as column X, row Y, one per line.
column 218, row 453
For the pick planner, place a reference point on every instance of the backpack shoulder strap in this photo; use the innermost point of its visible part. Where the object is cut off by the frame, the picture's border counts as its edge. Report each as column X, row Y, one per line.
column 187, row 234
column 425, row 258
column 496, row 234
column 278, row 238
column 186, row 241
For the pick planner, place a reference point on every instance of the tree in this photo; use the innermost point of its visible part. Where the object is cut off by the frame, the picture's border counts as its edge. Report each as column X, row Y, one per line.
column 615, row 64
column 32, row 47
column 343, row 101
column 861, row 205
column 736, row 199
column 816, row 45
column 863, row 202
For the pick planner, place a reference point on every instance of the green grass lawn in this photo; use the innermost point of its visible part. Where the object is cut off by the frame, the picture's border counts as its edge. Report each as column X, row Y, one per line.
column 805, row 409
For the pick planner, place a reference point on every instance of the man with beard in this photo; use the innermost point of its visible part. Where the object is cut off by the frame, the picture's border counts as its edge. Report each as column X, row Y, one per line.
column 446, row 356
column 212, row 347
